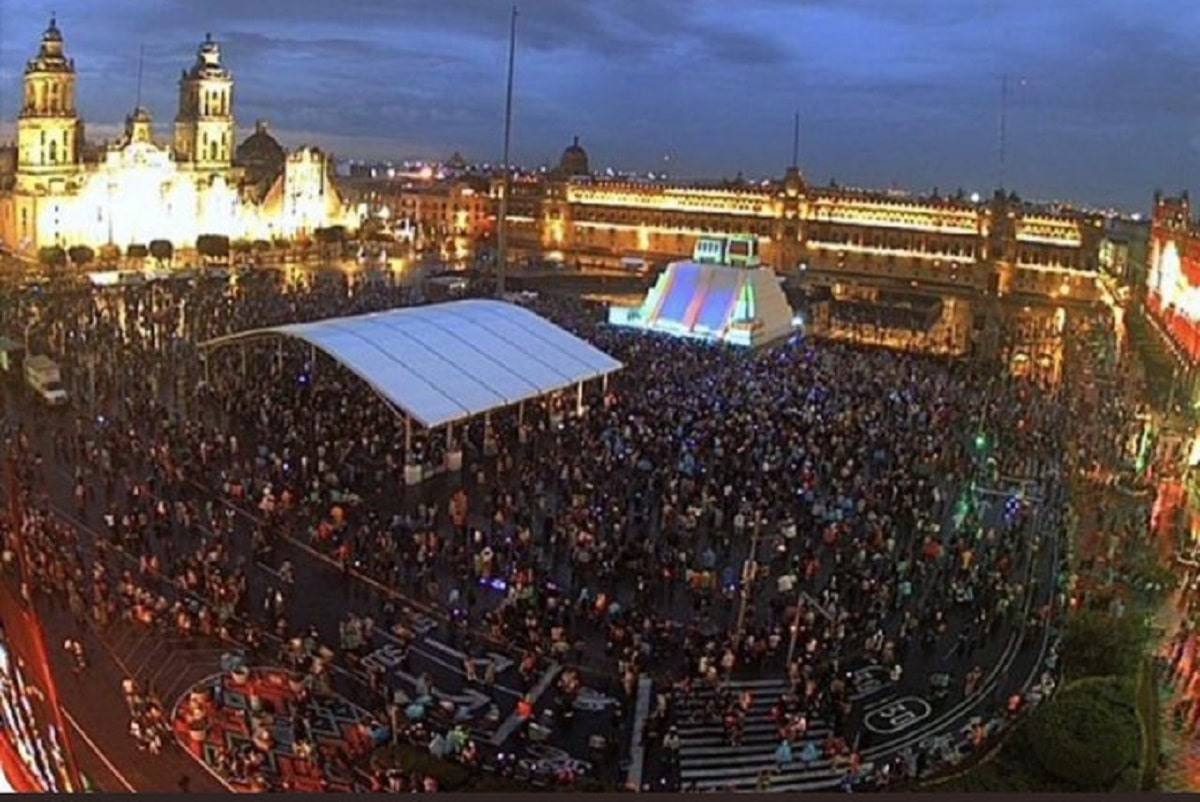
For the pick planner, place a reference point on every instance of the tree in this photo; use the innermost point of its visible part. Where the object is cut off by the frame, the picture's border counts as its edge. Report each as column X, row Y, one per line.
column 369, row 228
column 1098, row 645
column 262, row 246
column 137, row 251
column 110, row 254
column 52, row 256
column 329, row 238
column 213, row 246
column 242, row 247
column 81, row 255
column 162, row 250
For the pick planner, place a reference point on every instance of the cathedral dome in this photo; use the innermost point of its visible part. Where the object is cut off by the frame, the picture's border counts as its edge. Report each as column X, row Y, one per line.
column 260, row 153
column 260, row 146
column 574, row 161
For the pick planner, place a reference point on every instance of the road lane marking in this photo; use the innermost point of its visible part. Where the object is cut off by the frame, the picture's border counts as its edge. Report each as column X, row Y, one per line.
column 637, row 744
column 99, row 752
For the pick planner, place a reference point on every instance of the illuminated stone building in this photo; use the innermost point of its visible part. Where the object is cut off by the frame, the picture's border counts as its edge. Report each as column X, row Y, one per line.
column 428, row 209
column 61, row 192
column 1173, row 276
column 998, row 247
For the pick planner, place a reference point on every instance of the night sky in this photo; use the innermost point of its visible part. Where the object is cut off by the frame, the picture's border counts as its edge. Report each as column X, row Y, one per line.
column 1104, row 100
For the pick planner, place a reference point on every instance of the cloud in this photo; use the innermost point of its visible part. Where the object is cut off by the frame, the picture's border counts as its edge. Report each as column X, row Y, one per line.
column 712, row 81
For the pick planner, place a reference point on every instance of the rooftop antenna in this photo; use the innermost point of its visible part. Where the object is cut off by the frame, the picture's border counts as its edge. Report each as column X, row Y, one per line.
column 141, row 64
column 796, row 141
column 502, row 238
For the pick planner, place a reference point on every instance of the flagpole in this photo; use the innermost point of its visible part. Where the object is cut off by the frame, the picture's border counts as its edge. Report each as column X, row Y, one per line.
column 502, row 250
column 1002, row 145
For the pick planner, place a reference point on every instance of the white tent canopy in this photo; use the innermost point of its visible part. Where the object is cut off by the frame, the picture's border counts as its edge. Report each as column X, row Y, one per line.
column 444, row 363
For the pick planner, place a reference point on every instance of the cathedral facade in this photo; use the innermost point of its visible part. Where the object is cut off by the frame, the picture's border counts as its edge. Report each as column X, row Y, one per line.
column 58, row 191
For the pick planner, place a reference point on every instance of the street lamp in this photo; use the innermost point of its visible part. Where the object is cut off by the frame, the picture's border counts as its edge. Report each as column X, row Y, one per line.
column 749, row 571
column 802, row 597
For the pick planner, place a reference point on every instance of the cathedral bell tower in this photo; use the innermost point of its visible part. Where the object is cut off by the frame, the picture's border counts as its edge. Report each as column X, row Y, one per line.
column 204, row 125
column 49, row 131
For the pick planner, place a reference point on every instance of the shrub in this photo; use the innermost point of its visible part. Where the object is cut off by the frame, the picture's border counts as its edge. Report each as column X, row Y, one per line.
column 81, row 255
column 1088, row 735
column 213, row 246
column 52, row 256
column 162, row 249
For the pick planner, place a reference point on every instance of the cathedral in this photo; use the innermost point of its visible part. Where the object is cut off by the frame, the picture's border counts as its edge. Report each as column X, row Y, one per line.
column 58, row 190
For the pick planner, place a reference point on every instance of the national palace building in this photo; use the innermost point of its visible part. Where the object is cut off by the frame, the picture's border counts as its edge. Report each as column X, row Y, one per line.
column 998, row 246
column 57, row 189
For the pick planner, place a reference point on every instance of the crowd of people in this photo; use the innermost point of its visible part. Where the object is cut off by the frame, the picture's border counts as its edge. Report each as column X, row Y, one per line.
column 800, row 510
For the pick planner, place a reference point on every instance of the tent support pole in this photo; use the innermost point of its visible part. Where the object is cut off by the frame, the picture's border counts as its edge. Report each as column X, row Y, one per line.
column 449, row 436
column 407, row 438
column 579, row 399
column 521, row 414
column 604, row 383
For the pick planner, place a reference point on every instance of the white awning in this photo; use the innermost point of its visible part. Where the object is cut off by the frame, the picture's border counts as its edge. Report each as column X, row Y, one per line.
column 447, row 362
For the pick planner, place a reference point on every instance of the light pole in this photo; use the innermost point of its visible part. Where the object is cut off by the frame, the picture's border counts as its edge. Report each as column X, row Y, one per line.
column 749, row 570
column 91, row 363
column 502, row 234
column 791, row 652
column 802, row 596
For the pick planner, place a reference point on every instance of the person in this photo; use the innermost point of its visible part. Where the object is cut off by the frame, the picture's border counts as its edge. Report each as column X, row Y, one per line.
column 809, row 754
column 671, row 745
column 857, row 450
column 783, row 754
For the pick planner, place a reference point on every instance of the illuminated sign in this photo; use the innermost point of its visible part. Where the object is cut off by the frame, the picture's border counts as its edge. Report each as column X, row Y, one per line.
column 27, row 722
column 1173, row 284
column 739, row 251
